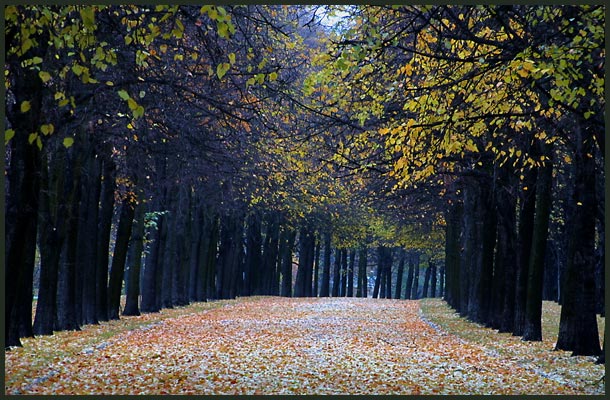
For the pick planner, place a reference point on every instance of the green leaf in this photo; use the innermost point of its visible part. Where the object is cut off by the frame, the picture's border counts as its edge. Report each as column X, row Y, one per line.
column 25, row 106
column 232, row 58
column 222, row 69
column 138, row 112
column 132, row 104
column 44, row 76
column 36, row 60
column 77, row 69
column 39, row 143
column 8, row 135
column 223, row 30
column 87, row 14
column 47, row 129
column 68, row 142
column 273, row 76
column 123, row 94
column 32, row 137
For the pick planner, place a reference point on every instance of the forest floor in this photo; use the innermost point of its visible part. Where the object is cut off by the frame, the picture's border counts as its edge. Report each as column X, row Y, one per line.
column 273, row 345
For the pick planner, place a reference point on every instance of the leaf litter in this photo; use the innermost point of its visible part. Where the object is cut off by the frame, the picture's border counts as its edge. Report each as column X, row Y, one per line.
column 273, row 345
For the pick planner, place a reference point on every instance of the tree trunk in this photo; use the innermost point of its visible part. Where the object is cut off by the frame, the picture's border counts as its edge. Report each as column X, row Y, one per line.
column 362, row 289
column 507, row 252
column 104, row 227
column 302, row 287
column 350, row 273
column 325, row 284
column 88, row 235
column 336, row 273
column 452, row 255
column 533, row 310
column 135, row 262
column 270, row 279
column 378, row 287
column 343, row 287
column 388, row 261
column 67, row 286
column 578, row 331
column 526, row 229
column 410, row 273
column 415, row 290
column 22, row 196
column 401, row 270
column 432, row 279
column 254, row 262
column 427, row 279
column 316, row 269
column 115, row 283
column 151, row 277
column 288, row 239
column 52, row 230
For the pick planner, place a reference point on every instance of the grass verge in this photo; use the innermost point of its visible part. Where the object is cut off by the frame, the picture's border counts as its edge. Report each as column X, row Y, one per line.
column 578, row 372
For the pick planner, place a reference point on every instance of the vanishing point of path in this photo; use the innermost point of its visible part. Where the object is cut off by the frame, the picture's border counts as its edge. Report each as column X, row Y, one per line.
column 277, row 345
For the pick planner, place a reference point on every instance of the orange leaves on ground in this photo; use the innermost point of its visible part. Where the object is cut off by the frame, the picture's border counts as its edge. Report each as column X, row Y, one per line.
column 283, row 346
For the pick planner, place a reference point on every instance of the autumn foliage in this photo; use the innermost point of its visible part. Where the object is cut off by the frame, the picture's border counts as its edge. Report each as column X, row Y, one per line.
column 269, row 345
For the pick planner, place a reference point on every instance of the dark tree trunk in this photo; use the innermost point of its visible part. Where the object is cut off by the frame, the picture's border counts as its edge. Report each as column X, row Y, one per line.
column 415, row 290
column 452, row 255
column 169, row 255
column 311, row 246
column 488, row 238
column 87, row 237
column 132, row 306
column 578, row 331
column 254, row 261
column 104, row 227
column 336, row 273
column 362, row 289
column 480, row 229
column 270, row 279
column 441, row 281
column 378, row 287
column 325, row 284
column 533, row 310
column 115, row 283
column 67, row 302
column 182, row 251
column 22, row 196
column 205, row 260
column 288, row 239
column 526, row 230
column 303, row 282
column 316, row 269
column 151, row 278
column 427, row 279
column 228, row 256
column 506, row 253
column 410, row 273
column 388, row 261
column 211, row 264
column 350, row 273
column 432, row 279
column 195, row 253
column 52, row 231
column 343, row 287
column 401, row 271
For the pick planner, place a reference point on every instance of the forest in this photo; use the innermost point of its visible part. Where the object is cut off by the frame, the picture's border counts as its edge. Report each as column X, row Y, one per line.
column 168, row 155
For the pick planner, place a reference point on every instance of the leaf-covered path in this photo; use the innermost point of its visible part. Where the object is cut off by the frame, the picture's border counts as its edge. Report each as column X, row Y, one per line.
column 288, row 346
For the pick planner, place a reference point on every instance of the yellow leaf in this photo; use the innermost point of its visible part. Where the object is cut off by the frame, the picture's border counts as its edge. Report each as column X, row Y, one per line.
column 25, row 106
